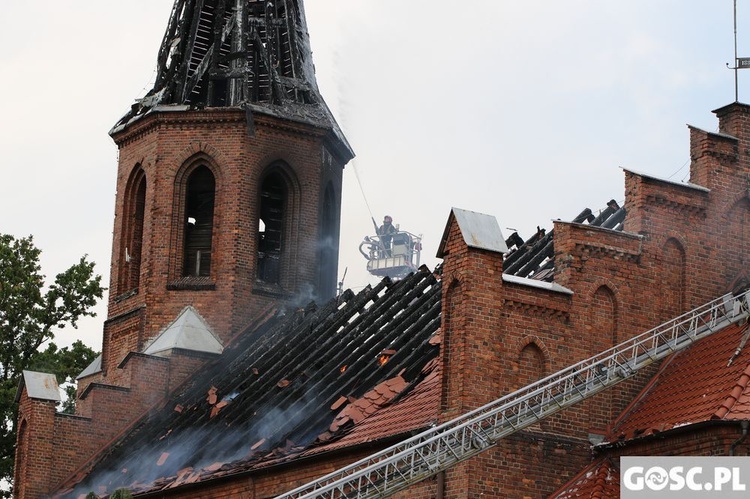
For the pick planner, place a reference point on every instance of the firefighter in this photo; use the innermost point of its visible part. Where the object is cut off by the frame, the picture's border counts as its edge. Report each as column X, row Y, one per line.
column 385, row 232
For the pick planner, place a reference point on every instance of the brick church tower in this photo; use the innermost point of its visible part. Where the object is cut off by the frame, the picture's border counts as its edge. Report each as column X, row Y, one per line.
column 229, row 176
column 228, row 201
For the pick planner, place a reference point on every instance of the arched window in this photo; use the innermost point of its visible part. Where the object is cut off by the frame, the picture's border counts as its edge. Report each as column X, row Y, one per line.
column 273, row 199
column 530, row 364
column 673, row 279
column 328, row 245
column 603, row 312
column 22, row 450
column 739, row 234
column 451, row 390
column 132, row 240
column 199, row 221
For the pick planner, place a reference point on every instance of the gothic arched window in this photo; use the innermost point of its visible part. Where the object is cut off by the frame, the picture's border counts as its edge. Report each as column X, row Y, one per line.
column 199, row 221
column 132, row 234
column 673, row 279
column 273, row 197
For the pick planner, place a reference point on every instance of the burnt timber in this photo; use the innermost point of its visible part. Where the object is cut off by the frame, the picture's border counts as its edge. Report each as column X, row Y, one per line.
column 277, row 389
column 250, row 54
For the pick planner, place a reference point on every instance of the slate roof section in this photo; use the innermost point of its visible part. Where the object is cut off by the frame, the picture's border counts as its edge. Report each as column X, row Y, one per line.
column 600, row 480
column 696, row 385
column 93, row 368
column 269, row 396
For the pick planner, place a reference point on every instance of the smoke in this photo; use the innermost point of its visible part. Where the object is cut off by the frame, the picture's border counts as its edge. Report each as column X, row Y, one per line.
column 200, row 451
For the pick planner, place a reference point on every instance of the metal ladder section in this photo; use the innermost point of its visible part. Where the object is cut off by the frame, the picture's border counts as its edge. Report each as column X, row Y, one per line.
column 437, row 449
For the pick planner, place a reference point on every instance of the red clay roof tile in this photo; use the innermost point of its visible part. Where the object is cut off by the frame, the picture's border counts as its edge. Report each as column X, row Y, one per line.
column 693, row 386
column 253, row 431
column 600, row 480
column 416, row 410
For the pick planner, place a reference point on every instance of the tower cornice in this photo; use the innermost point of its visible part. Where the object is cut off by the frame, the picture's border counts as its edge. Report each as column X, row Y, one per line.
column 143, row 125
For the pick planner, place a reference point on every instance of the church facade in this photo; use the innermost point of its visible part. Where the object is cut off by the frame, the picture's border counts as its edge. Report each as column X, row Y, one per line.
column 219, row 377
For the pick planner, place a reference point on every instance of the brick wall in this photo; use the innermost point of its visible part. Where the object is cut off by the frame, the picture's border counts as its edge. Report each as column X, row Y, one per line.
column 682, row 245
column 34, row 446
column 162, row 147
column 165, row 146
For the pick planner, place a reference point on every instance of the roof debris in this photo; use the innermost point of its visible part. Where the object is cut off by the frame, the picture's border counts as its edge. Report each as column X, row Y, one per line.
column 534, row 258
column 255, row 424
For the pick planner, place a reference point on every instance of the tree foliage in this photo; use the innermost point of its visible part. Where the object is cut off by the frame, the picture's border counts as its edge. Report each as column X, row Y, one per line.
column 65, row 363
column 29, row 315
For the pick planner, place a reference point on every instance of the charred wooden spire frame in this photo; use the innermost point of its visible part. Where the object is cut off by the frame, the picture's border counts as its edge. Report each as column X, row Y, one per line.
column 253, row 54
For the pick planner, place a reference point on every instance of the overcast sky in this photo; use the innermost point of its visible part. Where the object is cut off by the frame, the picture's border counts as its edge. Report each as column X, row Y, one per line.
column 523, row 110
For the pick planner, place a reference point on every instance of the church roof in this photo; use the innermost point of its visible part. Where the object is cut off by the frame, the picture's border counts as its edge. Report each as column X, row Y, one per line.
column 600, row 480
column 709, row 381
column 534, row 257
column 361, row 368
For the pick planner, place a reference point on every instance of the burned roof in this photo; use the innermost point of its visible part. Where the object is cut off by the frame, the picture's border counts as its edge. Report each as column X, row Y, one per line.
column 291, row 383
column 253, row 54
column 533, row 258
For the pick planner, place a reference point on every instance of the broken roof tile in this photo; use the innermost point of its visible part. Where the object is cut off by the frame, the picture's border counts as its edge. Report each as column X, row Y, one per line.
column 340, row 402
column 348, row 331
column 418, row 409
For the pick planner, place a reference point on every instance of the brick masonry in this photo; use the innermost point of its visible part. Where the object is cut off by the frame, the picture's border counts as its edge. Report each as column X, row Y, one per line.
column 682, row 245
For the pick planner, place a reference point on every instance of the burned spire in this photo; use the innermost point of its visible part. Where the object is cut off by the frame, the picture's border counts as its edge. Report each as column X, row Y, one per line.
column 253, row 54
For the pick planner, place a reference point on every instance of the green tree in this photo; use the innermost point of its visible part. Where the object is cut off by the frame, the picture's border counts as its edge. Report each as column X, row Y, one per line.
column 30, row 313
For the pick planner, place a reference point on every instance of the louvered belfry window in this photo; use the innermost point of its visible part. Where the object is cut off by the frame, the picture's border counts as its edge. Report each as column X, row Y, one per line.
column 273, row 194
column 199, row 221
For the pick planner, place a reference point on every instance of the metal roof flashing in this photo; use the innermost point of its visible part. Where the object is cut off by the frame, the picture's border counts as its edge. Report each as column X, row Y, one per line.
column 478, row 230
column 40, row 386
column 525, row 281
column 189, row 331
column 687, row 185
column 93, row 368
